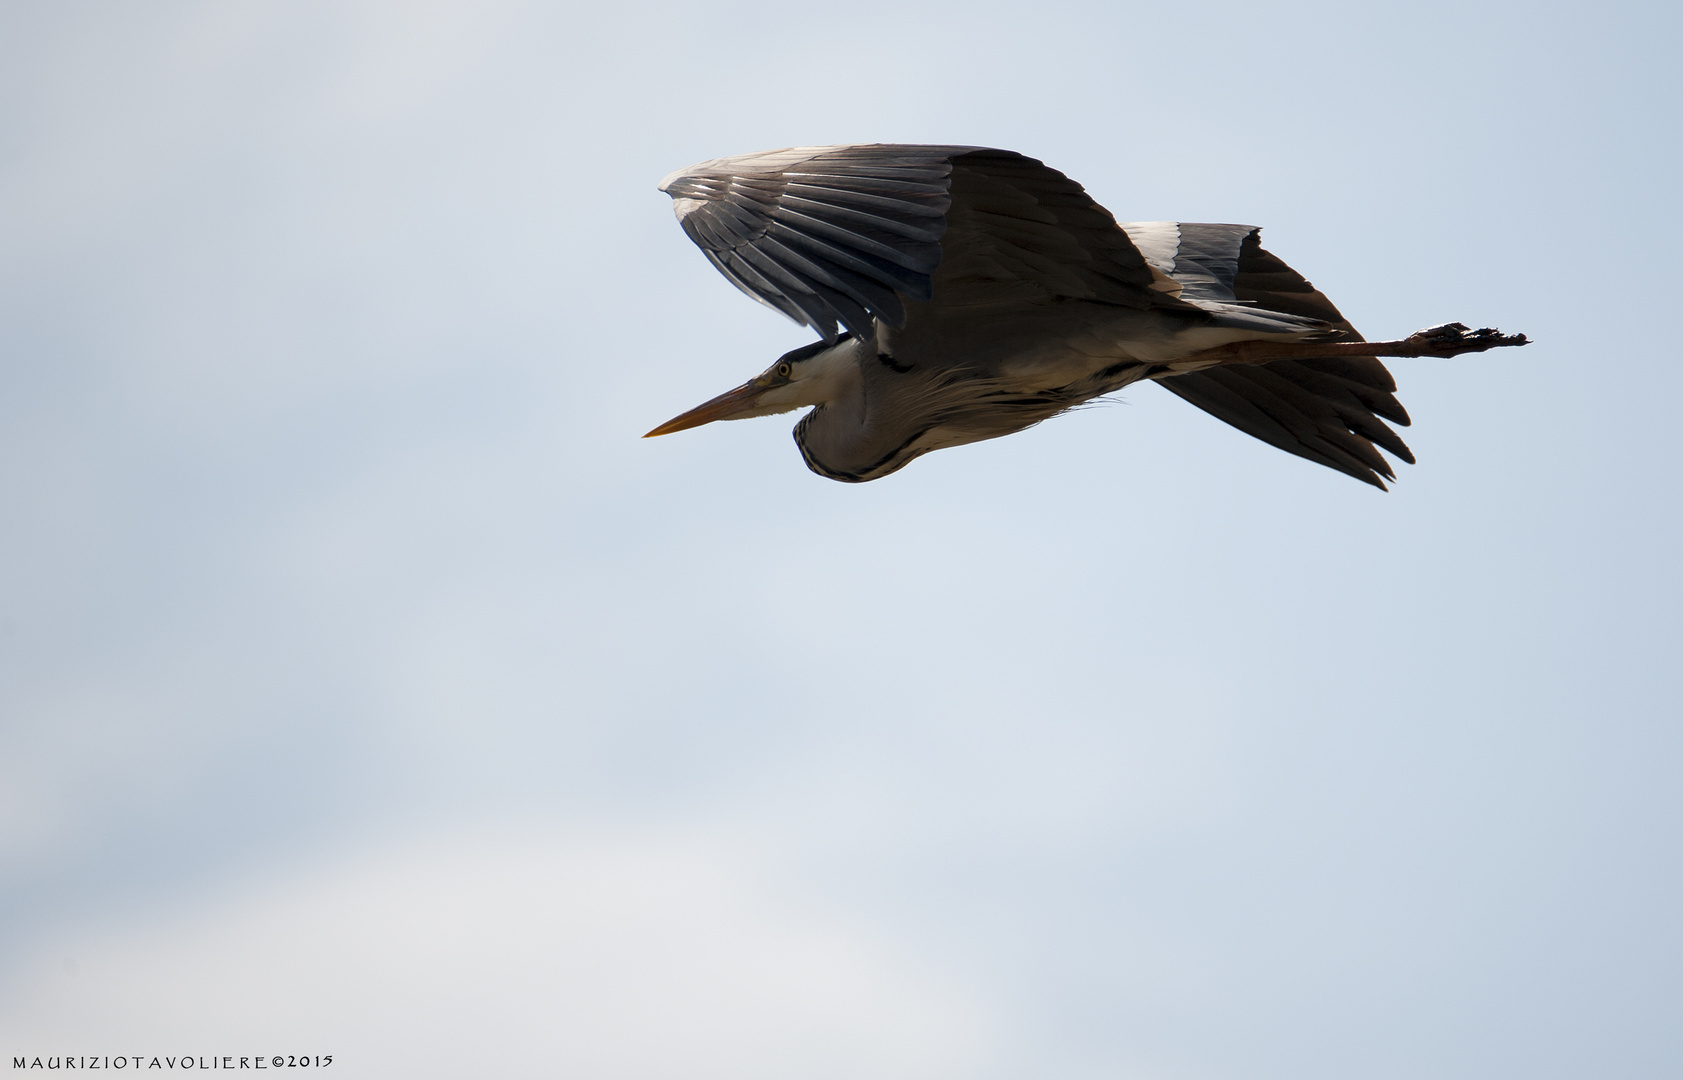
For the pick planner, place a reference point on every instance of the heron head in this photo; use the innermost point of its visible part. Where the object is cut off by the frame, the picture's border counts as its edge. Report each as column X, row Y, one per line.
column 810, row 375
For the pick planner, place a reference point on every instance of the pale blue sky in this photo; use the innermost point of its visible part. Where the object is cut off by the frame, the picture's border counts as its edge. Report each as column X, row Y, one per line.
column 368, row 687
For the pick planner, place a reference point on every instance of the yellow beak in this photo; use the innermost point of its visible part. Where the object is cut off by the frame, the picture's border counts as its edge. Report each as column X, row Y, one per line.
column 724, row 407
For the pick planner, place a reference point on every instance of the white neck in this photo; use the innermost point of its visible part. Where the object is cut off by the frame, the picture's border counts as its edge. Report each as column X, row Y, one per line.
column 825, row 379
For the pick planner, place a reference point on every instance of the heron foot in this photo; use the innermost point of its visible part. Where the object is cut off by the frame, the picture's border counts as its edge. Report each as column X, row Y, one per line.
column 1453, row 339
column 1450, row 339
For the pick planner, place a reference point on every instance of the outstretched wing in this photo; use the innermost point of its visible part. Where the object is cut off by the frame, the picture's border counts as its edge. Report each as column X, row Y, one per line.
column 1329, row 410
column 847, row 233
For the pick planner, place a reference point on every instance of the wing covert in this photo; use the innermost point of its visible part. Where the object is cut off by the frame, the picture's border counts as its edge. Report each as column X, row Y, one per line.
column 848, row 234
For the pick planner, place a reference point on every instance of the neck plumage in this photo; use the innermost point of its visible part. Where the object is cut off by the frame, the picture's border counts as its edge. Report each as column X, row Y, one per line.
column 828, row 433
column 862, row 430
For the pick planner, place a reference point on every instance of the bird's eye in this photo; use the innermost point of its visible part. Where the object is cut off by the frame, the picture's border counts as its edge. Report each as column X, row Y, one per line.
column 783, row 369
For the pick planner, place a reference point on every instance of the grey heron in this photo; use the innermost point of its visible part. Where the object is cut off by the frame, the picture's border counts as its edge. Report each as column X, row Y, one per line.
column 963, row 293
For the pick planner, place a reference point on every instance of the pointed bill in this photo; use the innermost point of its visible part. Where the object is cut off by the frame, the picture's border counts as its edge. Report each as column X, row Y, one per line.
column 727, row 406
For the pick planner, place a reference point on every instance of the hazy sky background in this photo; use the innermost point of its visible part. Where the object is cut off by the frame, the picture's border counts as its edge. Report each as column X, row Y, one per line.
column 368, row 687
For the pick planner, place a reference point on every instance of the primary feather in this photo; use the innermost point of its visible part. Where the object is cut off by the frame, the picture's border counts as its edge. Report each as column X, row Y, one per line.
column 963, row 293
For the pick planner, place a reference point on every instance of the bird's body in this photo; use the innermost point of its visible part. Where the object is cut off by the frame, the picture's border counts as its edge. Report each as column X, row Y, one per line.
column 984, row 292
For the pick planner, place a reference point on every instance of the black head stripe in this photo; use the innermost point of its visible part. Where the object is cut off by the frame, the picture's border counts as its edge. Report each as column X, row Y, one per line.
column 807, row 352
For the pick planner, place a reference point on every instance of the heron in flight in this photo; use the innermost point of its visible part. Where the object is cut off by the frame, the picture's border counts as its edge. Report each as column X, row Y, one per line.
column 964, row 293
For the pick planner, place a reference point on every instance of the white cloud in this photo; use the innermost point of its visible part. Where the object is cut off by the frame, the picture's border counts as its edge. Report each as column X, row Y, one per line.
column 608, row 954
column 329, row 331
